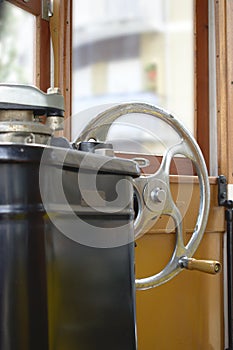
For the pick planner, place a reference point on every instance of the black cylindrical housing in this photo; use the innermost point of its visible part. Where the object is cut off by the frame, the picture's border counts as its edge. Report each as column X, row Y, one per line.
column 65, row 290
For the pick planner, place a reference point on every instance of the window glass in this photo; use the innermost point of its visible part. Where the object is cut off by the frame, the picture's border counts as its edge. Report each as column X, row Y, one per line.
column 133, row 50
column 16, row 45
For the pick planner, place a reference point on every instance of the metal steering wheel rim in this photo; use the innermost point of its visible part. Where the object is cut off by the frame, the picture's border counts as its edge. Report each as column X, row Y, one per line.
column 98, row 129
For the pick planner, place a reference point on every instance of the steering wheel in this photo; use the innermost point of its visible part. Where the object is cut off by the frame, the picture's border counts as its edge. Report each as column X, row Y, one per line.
column 153, row 192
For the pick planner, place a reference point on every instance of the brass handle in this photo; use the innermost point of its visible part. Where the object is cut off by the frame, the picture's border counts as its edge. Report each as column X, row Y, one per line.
column 209, row 266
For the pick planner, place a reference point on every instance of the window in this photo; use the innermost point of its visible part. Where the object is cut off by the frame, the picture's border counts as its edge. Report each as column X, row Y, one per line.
column 144, row 53
column 16, row 45
column 24, row 44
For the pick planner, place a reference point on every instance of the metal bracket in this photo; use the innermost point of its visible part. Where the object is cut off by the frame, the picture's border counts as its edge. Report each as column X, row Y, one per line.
column 222, row 193
column 47, row 9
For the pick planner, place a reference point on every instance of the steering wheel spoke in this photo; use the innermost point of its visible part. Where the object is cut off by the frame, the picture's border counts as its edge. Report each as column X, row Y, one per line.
column 173, row 211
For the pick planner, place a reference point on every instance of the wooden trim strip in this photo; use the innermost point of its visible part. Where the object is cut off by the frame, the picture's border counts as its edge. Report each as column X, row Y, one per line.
column 224, row 49
column 42, row 56
column 202, row 77
column 221, row 74
column 229, row 87
column 61, row 33
column 32, row 6
column 66, row 59
column 181, row 179
column 179, row 166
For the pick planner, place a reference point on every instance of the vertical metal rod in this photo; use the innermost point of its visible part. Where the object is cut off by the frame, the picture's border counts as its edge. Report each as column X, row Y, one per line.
column 229, row 219
column 228, row 204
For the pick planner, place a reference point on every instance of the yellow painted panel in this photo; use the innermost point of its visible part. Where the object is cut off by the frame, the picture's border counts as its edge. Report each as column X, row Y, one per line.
column 187, row 312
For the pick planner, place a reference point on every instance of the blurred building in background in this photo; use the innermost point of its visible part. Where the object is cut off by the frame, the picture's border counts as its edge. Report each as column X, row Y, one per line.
column 134, row 50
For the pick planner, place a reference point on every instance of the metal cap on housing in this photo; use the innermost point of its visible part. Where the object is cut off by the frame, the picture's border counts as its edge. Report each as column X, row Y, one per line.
column 21, row 108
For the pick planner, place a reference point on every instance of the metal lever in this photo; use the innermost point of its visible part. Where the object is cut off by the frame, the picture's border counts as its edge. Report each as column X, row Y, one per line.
column 209, row 266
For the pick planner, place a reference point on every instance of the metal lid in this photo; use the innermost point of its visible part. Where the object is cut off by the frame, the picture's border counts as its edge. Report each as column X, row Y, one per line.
column 16, row 96
column 68, row 158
